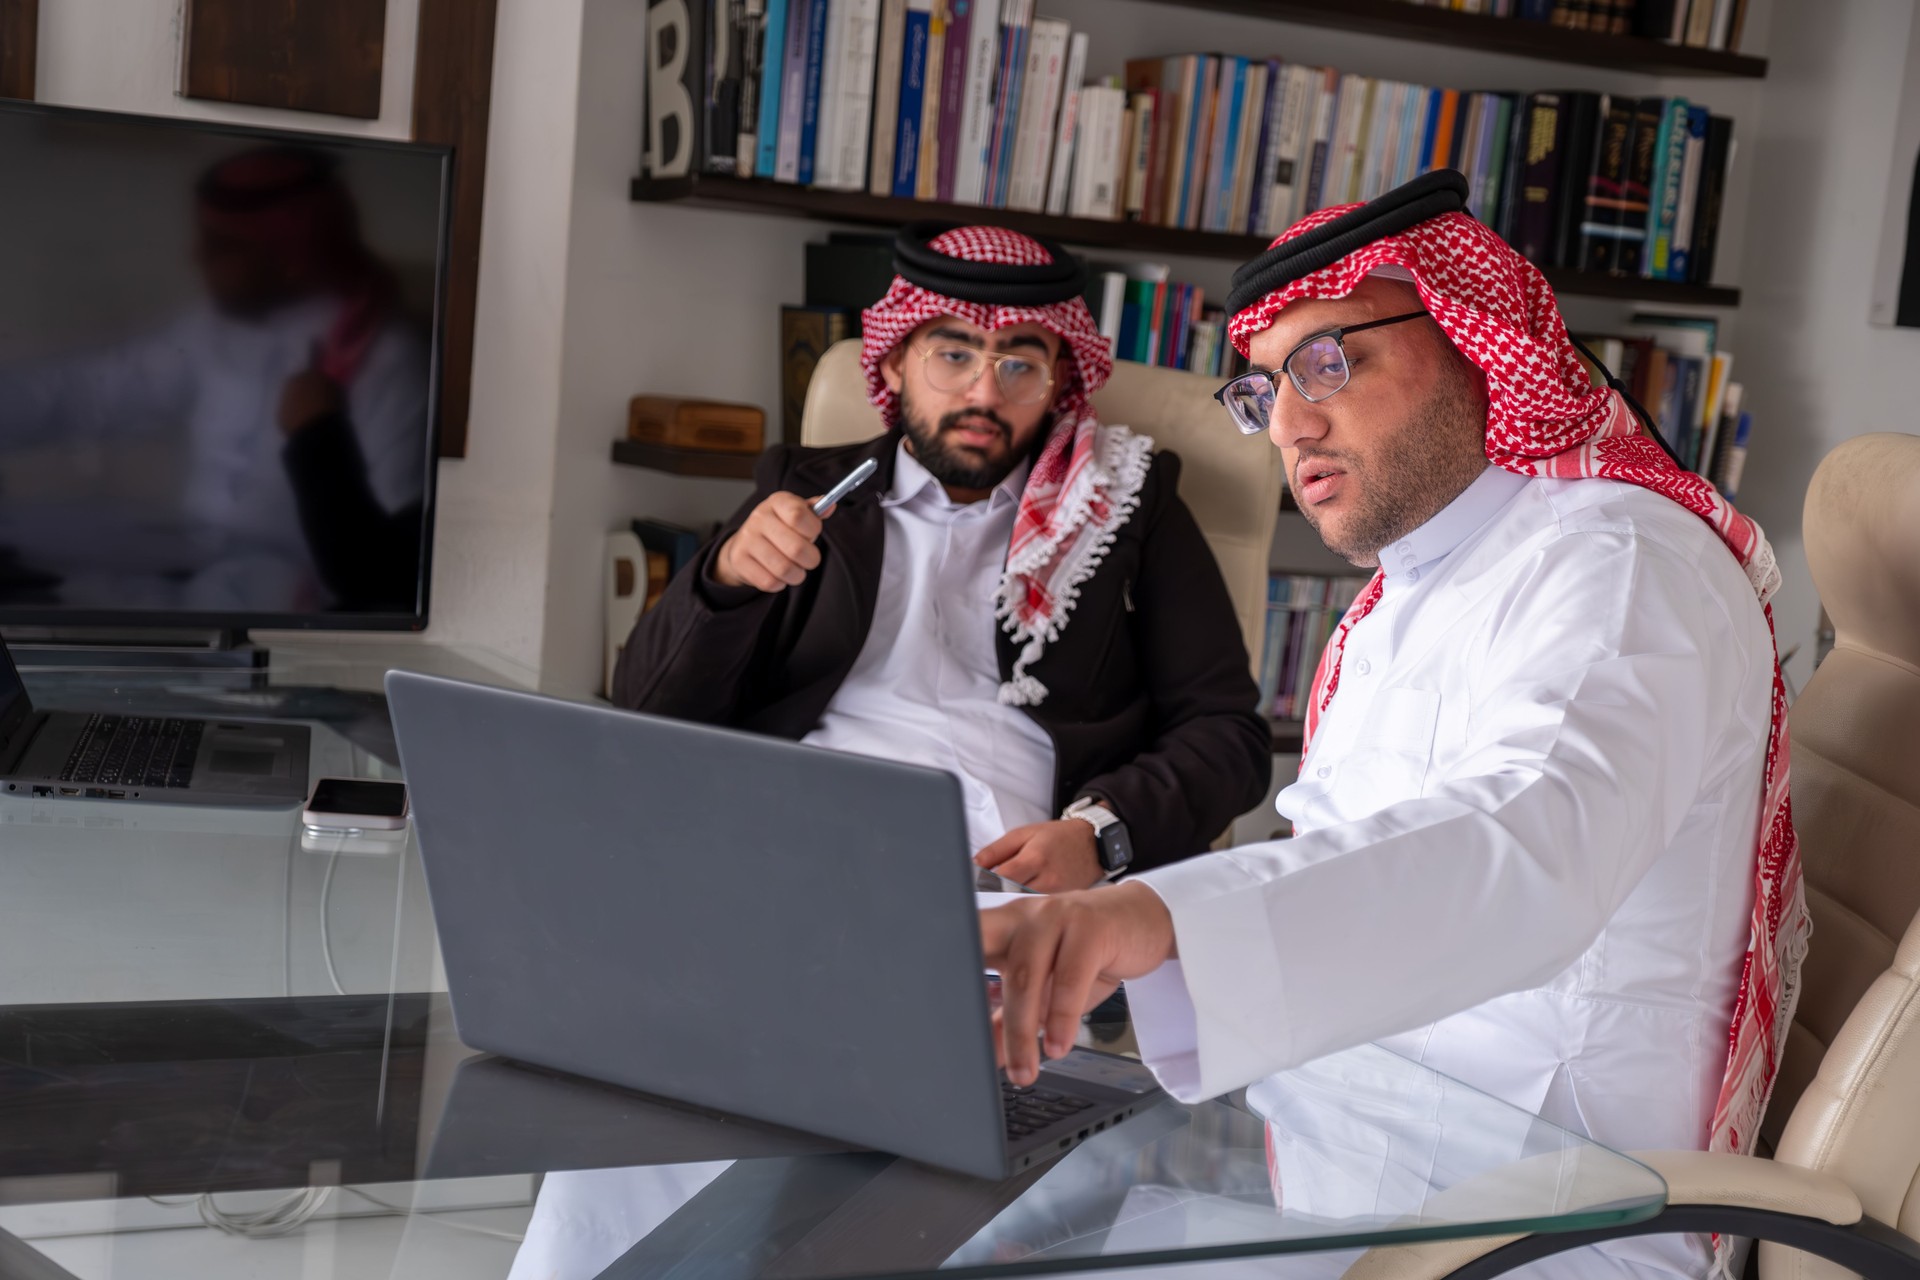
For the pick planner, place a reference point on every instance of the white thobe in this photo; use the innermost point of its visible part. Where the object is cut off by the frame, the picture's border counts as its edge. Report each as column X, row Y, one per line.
column 925, row 689
column 205, row 387
column 1526, row 832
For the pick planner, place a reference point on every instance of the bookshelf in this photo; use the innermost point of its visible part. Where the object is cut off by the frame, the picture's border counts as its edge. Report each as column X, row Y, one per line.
column 685, row 462
column 1400, row 20
column 785, row 199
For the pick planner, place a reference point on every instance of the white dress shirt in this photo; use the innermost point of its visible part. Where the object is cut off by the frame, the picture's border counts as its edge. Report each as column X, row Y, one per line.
column 1526, row 832
column 926, row 686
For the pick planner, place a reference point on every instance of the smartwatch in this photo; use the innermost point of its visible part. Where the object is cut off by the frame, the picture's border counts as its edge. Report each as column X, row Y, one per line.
column 1110, row 835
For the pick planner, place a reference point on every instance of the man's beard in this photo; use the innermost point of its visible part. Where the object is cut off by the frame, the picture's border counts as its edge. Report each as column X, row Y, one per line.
column 1440, row 452
column 954, row 465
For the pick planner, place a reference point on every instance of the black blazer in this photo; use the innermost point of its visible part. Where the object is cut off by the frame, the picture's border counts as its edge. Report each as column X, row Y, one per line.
column 1150, row 704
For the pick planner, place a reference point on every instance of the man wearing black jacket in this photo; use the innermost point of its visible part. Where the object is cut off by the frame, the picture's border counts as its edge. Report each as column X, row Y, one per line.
column 1107, row 722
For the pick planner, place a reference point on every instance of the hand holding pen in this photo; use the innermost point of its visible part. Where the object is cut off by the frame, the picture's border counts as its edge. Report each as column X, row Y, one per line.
column 775, row 548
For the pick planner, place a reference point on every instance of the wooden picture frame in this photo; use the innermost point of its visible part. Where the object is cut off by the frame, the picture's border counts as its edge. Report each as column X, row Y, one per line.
column 322, row 56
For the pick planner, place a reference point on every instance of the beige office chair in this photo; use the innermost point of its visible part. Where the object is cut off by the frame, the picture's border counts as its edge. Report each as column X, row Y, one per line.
column 1844, row 1124
column 1232, row 484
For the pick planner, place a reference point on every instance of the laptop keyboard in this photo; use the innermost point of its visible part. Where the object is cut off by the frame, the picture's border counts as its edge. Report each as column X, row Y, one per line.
column 135, row 751
column 1032, row 1109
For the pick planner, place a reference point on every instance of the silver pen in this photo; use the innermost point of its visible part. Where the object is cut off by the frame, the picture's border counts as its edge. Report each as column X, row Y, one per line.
column 854, row 479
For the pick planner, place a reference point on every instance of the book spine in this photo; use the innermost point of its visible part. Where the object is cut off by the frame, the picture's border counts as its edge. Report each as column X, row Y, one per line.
column 1289, row 172
column 1319, row 157
column 821, row 159
column 1039, row 114
column 953, row 99
column 1713, row 189
column 1140, row 154
column 1606, row 190
column 1443, row 133
column 1663, row 194
column 1508, row 163
column 1584, row 112
column 1205, row 111
column 1632, row 232
column 1177, row 101
column 1699, row 24
column 1680, row 258
column 886, row 96
column 817, row 13
column 1540, row 180
column 793, row 86
column 752, row 50
column 1224, row 144
column 720, row 132
column 773, row 63
column 976, row 118
column 927, row 169
column 1653, row 19
column 1061, row 177
column 1735, row 465
column 1013, row 64
column 853, row 118
column 1266, row 149
column 913, row 71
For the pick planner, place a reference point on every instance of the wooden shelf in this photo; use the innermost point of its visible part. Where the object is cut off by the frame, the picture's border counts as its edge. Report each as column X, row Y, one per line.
column 1431, row 25
column 1289, row 737
column 753, row 195
column 685, row 462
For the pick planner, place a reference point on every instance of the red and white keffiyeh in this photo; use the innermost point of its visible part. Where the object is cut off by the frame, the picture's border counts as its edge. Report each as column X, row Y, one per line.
column 1545, row 418
column 1086, row 480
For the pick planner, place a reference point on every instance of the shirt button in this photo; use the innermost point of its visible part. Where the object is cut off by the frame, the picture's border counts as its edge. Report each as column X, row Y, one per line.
column 1413, row 575
column 1362, row 666
column 1324, row 771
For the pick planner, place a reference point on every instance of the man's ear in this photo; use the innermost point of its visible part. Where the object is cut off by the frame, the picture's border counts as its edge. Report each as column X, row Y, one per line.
column 892, row 368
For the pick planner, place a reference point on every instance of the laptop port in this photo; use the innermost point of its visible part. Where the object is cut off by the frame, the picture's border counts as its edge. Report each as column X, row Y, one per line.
column 1097, row 1128
column 69, row 791
column 1083, row 1135
column 1065, row 1143
column 116, row 795
column 42, row 791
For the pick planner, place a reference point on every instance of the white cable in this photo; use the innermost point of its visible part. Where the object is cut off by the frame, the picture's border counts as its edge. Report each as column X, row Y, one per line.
column 278, row 1219
column 326, row 943
column 452, row 1223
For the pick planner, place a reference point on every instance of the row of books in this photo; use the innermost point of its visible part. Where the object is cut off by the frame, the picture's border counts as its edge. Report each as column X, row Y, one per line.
column 1302, row 611
column 980, row 102
column 1699, row 24
column 1151, row 318
column 1673, row 366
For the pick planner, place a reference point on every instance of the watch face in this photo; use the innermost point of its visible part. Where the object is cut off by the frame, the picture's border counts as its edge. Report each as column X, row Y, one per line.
column 1116, row 847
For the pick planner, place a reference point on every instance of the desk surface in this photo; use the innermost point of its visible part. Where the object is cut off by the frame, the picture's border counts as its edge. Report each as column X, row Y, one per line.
column 225, row 1050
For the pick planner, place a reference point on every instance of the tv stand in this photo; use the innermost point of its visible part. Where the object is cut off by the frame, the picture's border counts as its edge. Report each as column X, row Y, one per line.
column 223, row 650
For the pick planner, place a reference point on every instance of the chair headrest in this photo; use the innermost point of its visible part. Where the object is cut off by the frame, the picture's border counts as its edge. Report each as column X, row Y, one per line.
column 1861, row 525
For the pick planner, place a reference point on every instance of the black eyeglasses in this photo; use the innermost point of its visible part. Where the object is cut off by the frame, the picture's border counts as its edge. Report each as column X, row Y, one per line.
column 1317, row 368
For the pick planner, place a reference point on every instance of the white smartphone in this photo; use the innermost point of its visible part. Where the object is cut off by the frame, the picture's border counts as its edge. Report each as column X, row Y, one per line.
column 356, row 804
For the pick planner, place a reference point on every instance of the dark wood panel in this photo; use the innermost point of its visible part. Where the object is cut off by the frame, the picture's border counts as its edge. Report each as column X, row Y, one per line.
column 19, row 47
column 754, row 195
column 452, row 97
column 300, row 55
column 1433, row 25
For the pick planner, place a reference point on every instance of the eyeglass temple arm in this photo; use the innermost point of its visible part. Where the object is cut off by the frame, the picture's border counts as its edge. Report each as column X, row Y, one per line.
column 1632, row 404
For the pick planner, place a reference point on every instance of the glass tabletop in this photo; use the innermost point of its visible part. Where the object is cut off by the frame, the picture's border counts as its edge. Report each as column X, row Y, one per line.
column 226, row 1050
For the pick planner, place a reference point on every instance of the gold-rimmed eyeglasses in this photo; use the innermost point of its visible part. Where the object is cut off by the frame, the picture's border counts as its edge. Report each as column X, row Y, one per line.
column 952, row 368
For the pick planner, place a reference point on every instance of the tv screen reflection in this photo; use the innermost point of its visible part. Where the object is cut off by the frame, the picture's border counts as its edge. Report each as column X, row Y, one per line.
column 216, row 370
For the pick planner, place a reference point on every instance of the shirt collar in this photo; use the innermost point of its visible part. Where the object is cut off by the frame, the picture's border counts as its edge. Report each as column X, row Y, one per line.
column 1412, row 557
column 910, row 480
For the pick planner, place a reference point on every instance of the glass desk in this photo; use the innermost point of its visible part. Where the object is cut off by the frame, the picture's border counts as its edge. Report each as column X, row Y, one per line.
column 225, row 1050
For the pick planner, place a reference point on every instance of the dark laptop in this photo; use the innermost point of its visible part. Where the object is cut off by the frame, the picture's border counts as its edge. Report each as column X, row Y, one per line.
column 745, row 924
column 171, row 760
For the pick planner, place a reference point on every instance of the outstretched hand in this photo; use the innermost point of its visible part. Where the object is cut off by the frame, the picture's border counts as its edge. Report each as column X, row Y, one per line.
column 1058, row 957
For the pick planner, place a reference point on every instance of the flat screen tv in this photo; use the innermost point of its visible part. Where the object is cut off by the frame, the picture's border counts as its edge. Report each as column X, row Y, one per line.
column 219, row 374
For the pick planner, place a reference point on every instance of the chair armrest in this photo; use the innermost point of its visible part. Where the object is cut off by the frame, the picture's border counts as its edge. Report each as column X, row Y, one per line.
column 1692, row 1177
column 1704, row 1177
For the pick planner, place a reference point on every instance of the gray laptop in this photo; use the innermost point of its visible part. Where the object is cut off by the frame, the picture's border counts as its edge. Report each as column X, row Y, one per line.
column 78, row 755
column 771, row 930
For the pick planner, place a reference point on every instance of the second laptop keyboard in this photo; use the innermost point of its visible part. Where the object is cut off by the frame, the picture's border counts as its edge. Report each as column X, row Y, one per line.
column 135, row 751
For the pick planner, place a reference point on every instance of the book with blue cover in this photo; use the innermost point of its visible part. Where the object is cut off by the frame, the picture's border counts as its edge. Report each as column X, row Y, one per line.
column 773, row 64
column 913, row 89
column 810, row 87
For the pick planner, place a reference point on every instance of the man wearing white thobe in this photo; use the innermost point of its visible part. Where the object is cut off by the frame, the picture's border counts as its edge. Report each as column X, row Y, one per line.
column 1527, row 821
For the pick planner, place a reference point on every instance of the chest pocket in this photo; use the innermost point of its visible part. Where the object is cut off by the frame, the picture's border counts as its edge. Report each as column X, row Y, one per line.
column 1394, row 748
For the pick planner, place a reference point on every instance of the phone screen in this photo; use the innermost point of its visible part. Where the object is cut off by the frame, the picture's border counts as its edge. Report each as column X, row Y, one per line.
column 370, row 799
